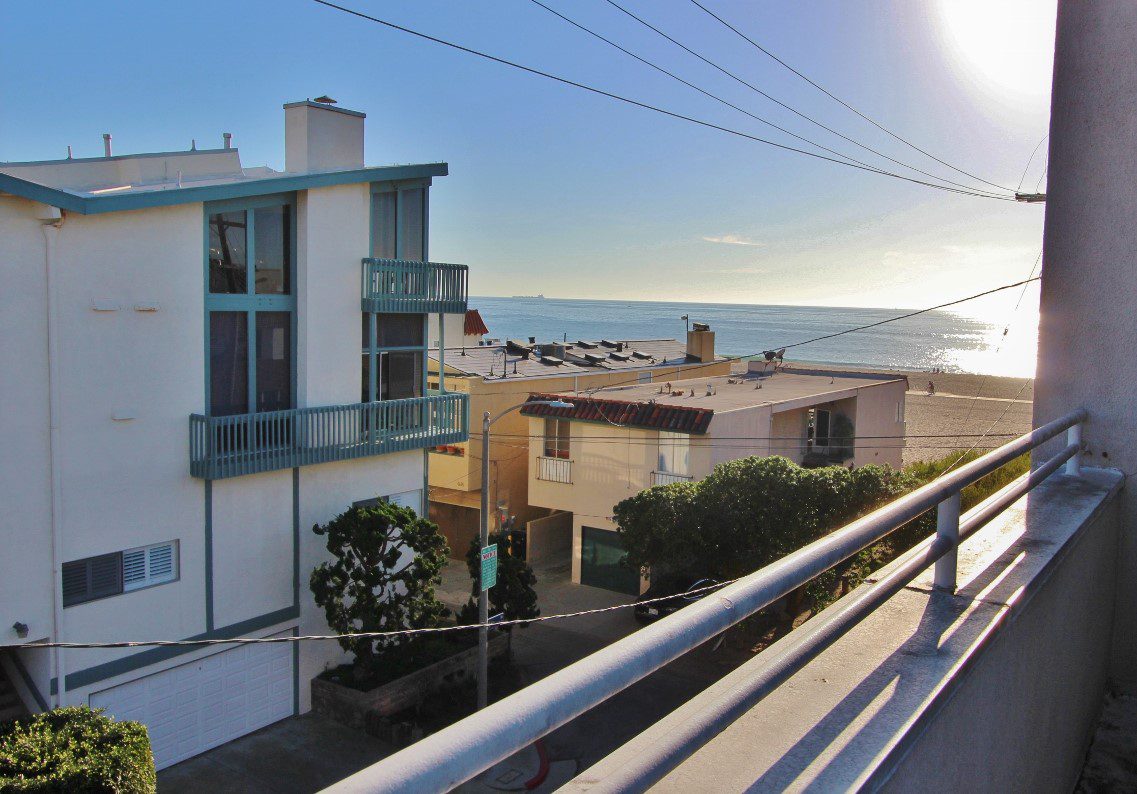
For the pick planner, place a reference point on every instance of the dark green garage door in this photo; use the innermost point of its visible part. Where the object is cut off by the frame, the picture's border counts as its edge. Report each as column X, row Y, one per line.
column 600, row 555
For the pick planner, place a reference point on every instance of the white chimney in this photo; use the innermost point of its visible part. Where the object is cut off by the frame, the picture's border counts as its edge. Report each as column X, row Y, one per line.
column 321, row 137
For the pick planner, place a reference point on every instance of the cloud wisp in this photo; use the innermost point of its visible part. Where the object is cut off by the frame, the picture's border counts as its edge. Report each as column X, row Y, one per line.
column 735, row 239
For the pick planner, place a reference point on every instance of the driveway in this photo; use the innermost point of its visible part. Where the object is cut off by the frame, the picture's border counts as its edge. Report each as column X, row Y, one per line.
column 299, row 754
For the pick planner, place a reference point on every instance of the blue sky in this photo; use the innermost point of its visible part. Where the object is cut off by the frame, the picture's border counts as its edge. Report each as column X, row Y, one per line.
column 556, row 191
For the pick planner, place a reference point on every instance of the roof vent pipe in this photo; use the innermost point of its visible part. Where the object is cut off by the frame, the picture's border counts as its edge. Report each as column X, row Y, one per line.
column 228, row 138
column 106, row 144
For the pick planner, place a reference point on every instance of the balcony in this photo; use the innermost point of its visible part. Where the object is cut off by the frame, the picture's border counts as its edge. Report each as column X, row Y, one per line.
column 231, row 446
column 397, row 285
column 554, row 469
column 667, row 477
column 978, row 658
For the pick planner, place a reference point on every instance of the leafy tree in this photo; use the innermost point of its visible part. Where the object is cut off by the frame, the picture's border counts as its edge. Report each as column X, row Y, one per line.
column 387, row 563
column 513, row 594
column 748, row 513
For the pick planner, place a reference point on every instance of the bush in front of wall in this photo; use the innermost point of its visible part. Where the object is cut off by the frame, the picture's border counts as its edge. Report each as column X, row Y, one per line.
column 75, row 749
column 387, row 562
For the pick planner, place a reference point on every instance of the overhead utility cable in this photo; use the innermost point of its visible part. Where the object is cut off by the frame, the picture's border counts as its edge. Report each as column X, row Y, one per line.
column 778, row 102
column 842, row 102
column 832, row 335
column 646, row 106
column 730, row 104
column 1031, row 160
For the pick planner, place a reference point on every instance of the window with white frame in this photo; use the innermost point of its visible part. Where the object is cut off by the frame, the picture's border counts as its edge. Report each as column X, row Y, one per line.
column 674, row 453
column 556, row 438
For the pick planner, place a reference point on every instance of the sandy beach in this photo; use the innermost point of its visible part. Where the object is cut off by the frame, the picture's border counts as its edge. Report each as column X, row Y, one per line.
column 964, row 407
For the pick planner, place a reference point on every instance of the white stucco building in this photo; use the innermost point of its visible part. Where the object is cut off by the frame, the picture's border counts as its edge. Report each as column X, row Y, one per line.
column 184, row 399
column 615, row 442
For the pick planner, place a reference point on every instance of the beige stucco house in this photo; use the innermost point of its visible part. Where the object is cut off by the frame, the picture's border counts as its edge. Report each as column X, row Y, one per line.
column 615, row 442
column 499, row 377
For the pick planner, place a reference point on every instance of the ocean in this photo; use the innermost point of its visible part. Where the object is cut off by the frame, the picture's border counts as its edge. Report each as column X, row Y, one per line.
column 944, row 339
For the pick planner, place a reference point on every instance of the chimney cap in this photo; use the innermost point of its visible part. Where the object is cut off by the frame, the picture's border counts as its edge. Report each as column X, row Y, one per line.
column 700, row 327
column 323, row 106
column 325, row 100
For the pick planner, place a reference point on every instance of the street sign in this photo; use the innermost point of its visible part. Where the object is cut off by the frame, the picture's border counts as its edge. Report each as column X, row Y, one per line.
column 498, row 618
column 489, row 566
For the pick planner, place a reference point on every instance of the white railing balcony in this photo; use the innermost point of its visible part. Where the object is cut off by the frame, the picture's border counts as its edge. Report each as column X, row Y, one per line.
column 459, row 752
column 668, row 477
column 554, row 469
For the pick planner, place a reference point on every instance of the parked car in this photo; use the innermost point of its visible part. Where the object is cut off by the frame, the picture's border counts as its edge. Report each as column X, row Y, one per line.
column 678, row 585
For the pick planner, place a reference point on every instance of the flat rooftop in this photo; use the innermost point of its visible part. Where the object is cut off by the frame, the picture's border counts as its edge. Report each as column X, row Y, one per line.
column 688, row 406
column 734, row 392
column 499, row 362
column 90, row 185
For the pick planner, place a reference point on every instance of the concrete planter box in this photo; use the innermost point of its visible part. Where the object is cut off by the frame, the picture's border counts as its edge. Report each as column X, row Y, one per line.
column 358, row 709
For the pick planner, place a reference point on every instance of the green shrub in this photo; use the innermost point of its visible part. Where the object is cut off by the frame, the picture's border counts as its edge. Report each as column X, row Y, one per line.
column 513, row 595
column 386, row 563
column 75, row 749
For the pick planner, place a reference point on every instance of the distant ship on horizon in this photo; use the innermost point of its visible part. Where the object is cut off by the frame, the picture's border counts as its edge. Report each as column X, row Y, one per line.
column 529, row 297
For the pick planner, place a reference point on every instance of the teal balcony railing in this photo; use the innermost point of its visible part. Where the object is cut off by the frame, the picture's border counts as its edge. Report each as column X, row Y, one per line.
column 231, row 446
column 397, row 285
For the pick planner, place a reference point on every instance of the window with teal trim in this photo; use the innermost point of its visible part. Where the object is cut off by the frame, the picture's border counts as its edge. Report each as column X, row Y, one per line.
column 394, row 351
column 398, row 224
column 394, row 345
column 251, row 306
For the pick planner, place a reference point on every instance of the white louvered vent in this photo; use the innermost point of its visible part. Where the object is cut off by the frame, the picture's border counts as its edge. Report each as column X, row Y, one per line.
column 162, row 563
column 149, row 565
column 133, row 569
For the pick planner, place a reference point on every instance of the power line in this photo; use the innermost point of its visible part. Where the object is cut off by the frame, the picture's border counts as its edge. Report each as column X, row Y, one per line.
column 646, row 106
column 363, row 635
column 833, row 335
column 1031, row 160
column 782, row 104
column 715, row 97
column 842, row 102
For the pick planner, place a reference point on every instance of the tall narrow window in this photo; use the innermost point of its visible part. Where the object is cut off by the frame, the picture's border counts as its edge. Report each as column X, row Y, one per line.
column 384, row 222
column 228, row 245
column 410, row 229
column 674, row 452
column 274, row 360
column 556, row 438
column 272, row 249
column 228, row 363
column 251, row 307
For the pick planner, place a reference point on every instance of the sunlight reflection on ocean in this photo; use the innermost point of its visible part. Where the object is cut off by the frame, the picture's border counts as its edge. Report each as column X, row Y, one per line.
column 953, row 342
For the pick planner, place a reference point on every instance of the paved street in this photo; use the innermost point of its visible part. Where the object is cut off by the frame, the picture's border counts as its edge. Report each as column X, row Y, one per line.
column 306, row 753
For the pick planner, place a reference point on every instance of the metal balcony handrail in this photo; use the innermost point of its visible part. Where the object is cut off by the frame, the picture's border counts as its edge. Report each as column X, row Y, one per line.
column 457, row 753
column 240, row 444
column 552, row 469
column 401, row 285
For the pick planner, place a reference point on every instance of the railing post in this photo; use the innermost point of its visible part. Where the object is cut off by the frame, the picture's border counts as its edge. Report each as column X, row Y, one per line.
column 1074, row 464
column 947, row 526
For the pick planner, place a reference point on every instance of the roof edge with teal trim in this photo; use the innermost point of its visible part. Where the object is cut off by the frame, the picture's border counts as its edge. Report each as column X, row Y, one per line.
column 282, row 183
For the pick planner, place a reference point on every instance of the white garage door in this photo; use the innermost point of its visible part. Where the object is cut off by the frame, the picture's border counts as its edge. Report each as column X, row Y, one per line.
column 190, row 708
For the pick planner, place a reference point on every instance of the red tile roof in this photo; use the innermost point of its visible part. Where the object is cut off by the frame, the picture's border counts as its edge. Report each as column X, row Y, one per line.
column 475, row 325
column 650, row 415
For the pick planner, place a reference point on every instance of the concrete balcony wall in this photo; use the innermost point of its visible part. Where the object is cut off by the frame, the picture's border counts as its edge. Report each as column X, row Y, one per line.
column 994, row 688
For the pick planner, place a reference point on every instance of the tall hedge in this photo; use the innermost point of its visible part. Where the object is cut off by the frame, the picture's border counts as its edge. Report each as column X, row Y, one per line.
column 746, row 514
column 75, row 749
